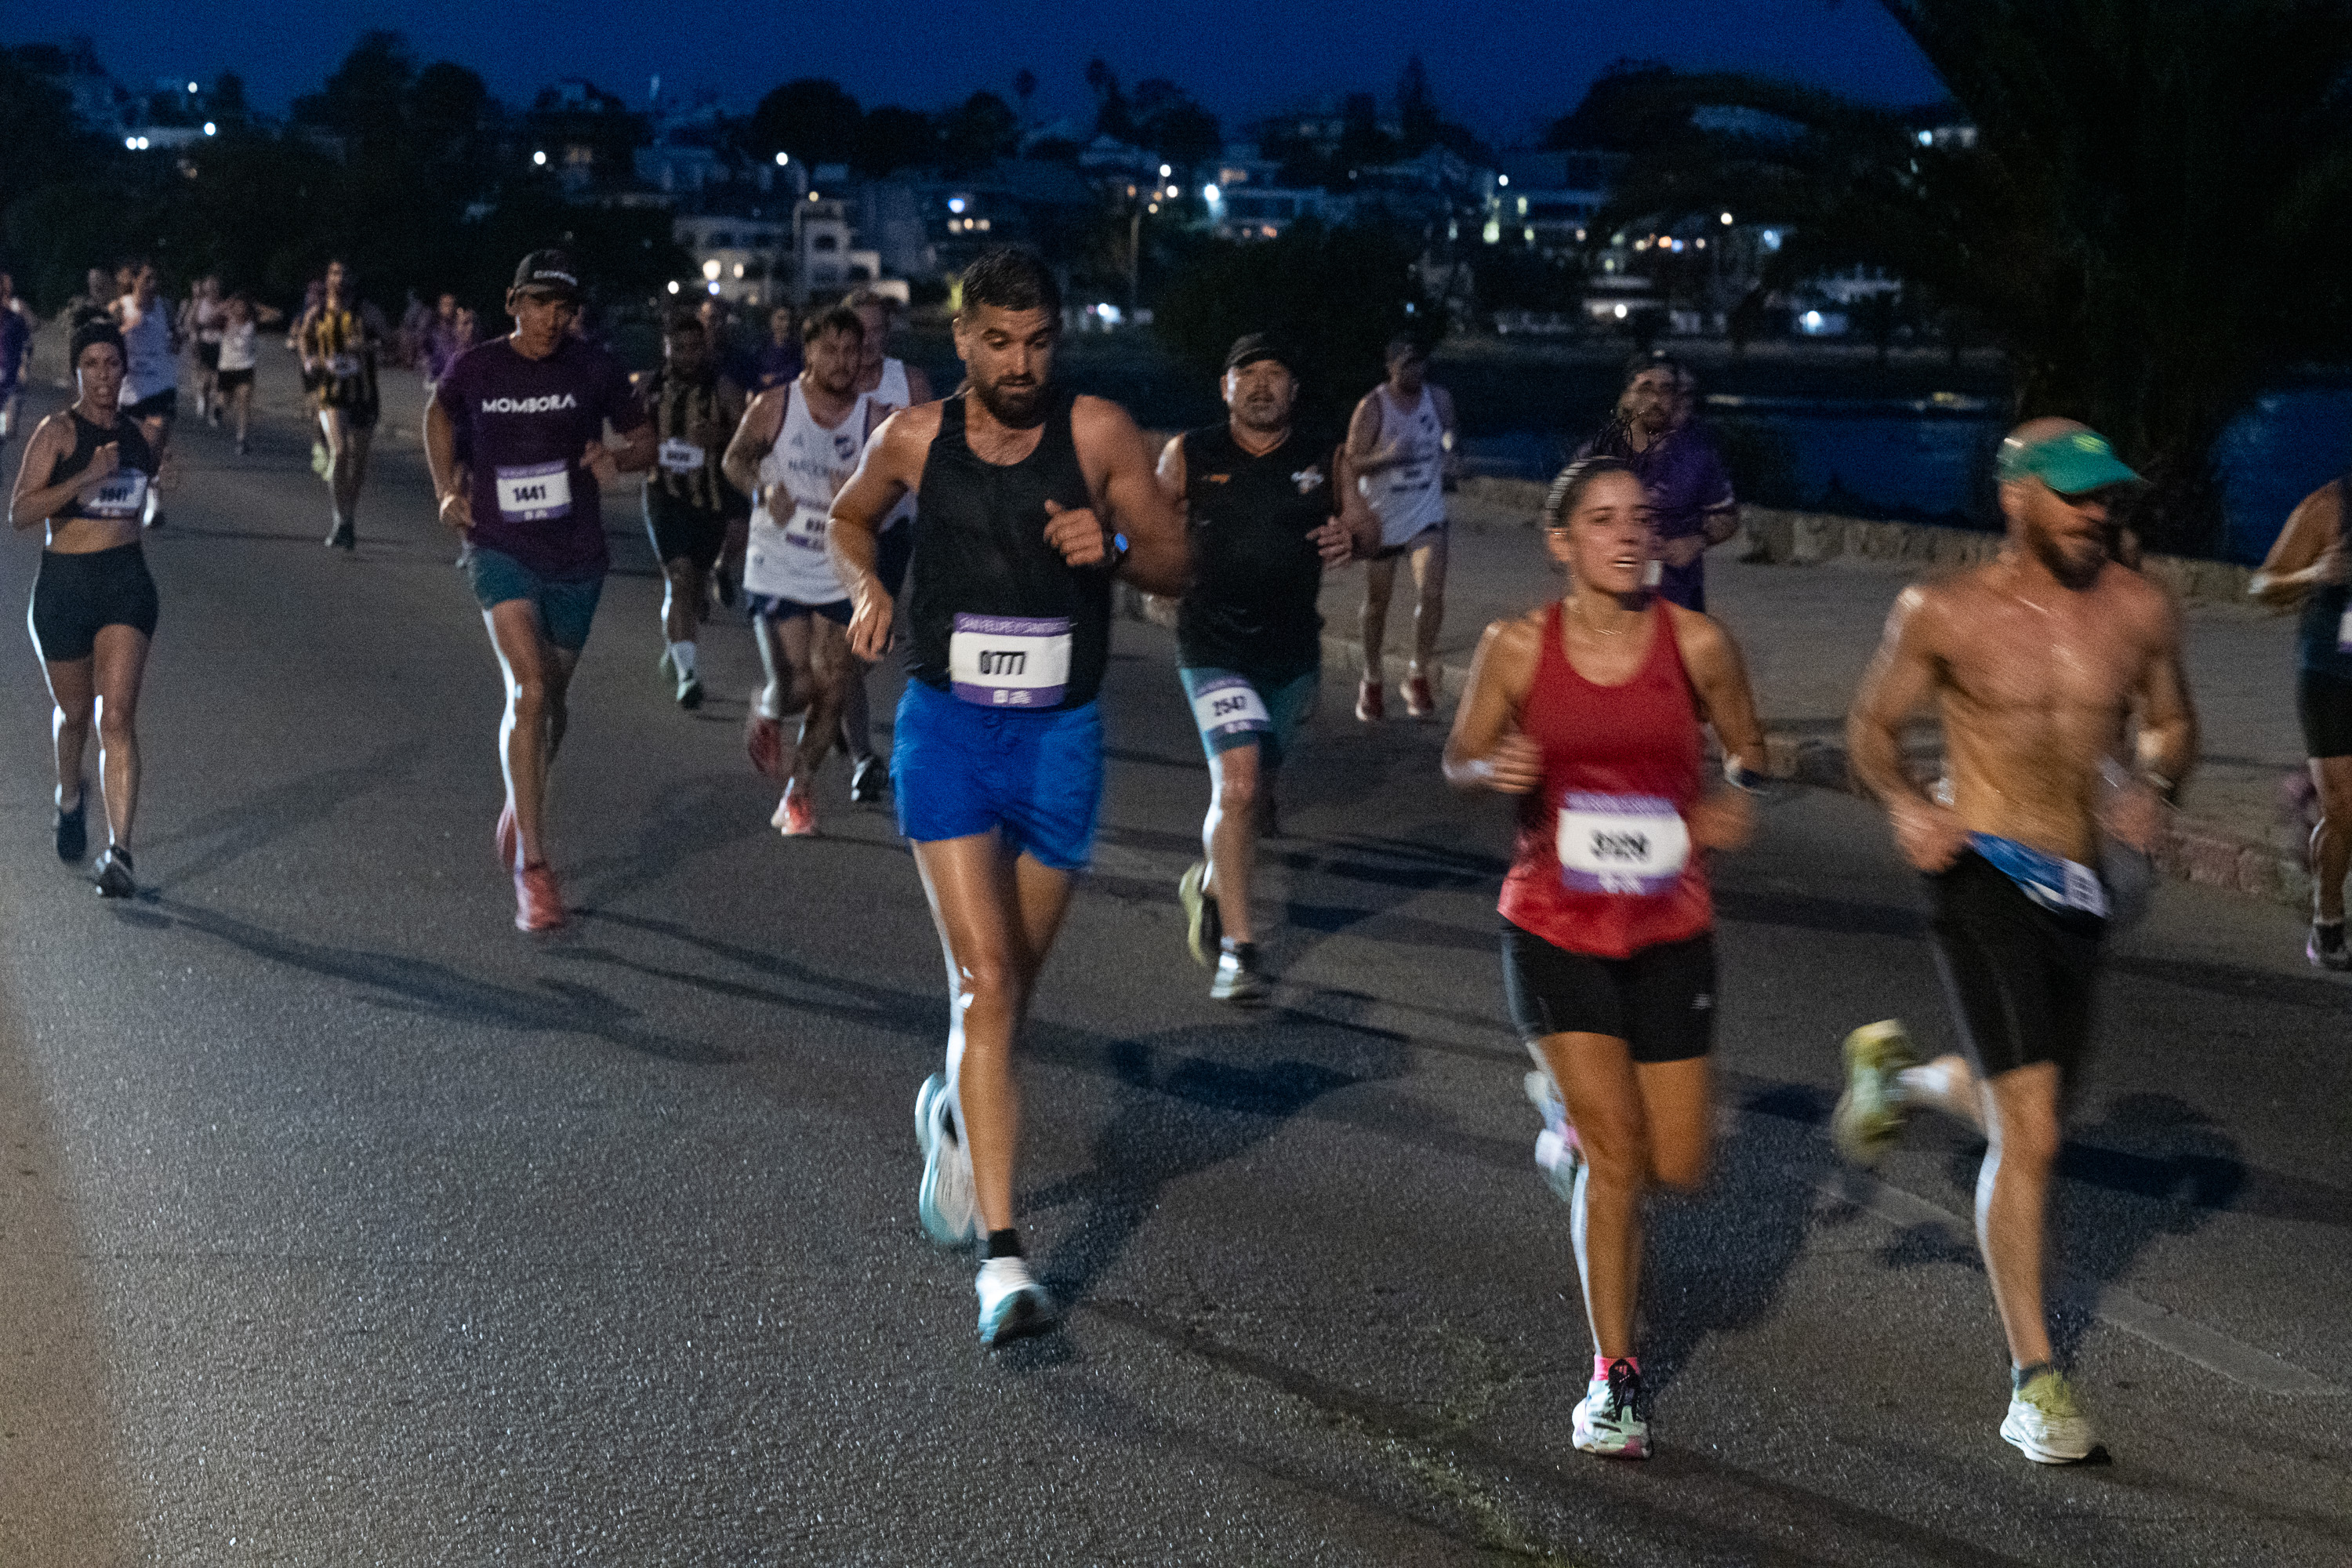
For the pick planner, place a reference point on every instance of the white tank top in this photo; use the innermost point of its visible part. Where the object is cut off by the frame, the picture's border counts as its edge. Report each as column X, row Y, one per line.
column 893, row 391
column 786, row 559
column 237, row 343
column 150, row 366
column 1408, row 497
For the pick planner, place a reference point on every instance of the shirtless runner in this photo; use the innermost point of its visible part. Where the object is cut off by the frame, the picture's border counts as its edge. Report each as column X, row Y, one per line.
column 2037, row 664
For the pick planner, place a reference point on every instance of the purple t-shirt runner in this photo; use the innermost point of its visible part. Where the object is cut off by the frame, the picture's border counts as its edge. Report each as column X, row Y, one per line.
column 1684, row 475
column 13, row 336
column 523, row 424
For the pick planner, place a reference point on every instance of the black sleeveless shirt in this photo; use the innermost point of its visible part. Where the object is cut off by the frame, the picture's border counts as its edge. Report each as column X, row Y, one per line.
column 981, row 554
column 2319, row 642
column 134, row 457
column 1255, row 572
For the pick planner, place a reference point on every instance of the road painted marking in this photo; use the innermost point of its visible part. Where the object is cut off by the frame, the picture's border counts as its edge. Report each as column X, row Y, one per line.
column 2112, row 1304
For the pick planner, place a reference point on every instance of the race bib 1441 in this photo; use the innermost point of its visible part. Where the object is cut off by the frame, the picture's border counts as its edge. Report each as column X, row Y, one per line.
column 1622, row 843
column 123, row 494
column 535, row 492
column 1009, row 661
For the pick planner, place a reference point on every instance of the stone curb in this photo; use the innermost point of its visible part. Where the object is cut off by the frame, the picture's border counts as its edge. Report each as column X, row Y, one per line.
column 2193, row 850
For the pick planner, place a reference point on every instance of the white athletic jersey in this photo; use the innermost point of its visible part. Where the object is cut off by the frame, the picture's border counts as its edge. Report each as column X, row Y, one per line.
column 787, row 560
column 893, row 392
column 150, row 366
column 237, row 345
column 210, row 318
column 1410, row 496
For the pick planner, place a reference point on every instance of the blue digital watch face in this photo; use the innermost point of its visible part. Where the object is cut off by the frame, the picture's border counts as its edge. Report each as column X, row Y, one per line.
column 1118, row 542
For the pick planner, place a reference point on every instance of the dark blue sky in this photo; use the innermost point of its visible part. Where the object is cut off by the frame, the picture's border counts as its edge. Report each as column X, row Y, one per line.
column 1501, row 67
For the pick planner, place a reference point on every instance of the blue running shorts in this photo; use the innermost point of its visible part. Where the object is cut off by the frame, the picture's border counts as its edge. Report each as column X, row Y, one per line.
column 958, row 769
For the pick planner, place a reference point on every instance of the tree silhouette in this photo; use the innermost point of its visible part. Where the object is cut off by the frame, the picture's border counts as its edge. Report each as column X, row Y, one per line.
column 2150, row 216
column 812, row 119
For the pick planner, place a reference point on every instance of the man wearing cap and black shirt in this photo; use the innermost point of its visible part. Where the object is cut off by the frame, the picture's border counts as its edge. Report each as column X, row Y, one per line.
column 2034, row 661
column 528, row 410
column 1264, row 508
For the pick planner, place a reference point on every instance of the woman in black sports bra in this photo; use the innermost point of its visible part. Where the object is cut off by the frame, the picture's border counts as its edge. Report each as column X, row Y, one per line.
column 85, row 477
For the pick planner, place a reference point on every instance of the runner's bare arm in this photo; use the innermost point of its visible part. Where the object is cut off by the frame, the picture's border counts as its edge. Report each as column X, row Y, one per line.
column 31, row 503
column 891, row 467
column 634, row 452
column 1171, row 477
column 755, row 434
column 1901, row 678
column 1721, row 676
column 456, row 507
column 1356, row 514
column 2308, row 552
column 1117, row 459
column 1485, row 749
column 1365, row 455
column 2167, row 719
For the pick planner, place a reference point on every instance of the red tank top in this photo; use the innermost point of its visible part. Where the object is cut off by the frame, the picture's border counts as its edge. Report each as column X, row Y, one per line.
column 1604, row 865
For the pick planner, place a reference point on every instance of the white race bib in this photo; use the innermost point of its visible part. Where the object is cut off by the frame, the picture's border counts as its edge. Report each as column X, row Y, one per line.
column 343, row 368
column 1009, row 661
column 681, row 458
column 1622, row 843
column 123, row 495
column 534, row 492
column 1229, row 705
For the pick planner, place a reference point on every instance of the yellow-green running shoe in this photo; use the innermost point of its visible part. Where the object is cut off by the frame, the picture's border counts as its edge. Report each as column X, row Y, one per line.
column 2045, row 1425
column 1203, row 930
column 1871, row 1113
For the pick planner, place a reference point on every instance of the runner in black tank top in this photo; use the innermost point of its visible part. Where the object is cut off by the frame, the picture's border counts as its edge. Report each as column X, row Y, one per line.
column 981, row 552
column 87, row 481
column 687, row 500
column 1026, row 502
column 1261, row 507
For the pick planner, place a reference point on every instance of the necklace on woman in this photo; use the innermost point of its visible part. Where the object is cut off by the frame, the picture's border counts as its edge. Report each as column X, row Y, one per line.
column 1576, row 606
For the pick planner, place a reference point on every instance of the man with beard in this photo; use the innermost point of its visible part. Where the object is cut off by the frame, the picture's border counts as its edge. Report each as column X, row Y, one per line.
column 1029, row 499
column 1677, row 463
column 2035, row 662
column 687, row 498
column 795, row 449
column 1263, row 509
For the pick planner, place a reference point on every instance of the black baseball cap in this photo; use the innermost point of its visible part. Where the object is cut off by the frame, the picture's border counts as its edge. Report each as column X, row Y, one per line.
column 1252, row 347
column 549, row 272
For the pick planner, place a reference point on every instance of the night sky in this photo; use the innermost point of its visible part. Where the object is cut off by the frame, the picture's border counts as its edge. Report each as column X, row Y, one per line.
column 1501, row 67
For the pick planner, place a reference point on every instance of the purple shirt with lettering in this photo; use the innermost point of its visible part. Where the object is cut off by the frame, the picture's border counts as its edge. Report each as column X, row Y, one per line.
column 523, row 424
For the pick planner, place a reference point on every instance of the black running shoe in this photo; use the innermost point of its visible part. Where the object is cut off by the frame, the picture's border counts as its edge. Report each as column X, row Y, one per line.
column 1239, row 979
column 2325, row 949
column 869, row 780
column 345, row 536
column 73, row 832
column 114, row 874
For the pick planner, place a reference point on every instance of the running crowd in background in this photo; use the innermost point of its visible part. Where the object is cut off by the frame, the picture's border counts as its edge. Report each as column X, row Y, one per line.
column 819, row 479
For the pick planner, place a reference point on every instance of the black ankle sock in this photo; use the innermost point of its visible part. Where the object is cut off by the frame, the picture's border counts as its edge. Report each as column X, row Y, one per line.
column 2018, row 1376
column 1005, row 1243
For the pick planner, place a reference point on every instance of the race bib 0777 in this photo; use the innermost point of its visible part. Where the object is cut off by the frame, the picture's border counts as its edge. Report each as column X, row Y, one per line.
column 534, row 492
column 1635, row 844
column 1010, row 661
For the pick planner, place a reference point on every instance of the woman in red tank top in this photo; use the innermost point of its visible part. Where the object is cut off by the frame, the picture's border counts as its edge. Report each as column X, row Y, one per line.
column 1589, row 711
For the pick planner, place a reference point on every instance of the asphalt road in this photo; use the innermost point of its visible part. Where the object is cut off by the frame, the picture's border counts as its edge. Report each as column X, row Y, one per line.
column 343, row 1224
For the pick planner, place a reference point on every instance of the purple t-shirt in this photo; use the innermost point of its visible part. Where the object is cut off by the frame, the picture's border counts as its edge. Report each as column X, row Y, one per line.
column 523, row 424
column 13, row 336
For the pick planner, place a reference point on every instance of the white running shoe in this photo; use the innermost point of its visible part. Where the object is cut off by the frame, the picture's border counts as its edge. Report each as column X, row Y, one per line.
column 1559, row 1151
column 2046, row 1425
column 1012, row 1304
column 944, row 1202
column 1609, row 1419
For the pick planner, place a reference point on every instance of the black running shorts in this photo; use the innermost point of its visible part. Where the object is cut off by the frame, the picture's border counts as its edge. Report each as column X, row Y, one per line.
column 2324, row 703
column 76, row 594
column 2020, row 976
column 1659, row 1001
column 681, row 532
